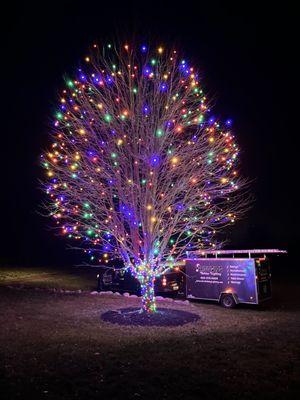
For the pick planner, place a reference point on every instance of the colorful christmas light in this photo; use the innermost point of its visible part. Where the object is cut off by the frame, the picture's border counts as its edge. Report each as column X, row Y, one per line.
column 138, row 169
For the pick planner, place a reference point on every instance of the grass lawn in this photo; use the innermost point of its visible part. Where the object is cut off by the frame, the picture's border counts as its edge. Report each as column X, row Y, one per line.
column 55, row 346
column 63, row 278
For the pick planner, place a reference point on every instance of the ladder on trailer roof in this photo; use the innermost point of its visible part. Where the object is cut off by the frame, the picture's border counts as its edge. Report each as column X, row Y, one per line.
column 233, row 252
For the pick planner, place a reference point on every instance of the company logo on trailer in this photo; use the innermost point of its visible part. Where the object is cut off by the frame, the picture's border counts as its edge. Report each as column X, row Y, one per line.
column 217, row 269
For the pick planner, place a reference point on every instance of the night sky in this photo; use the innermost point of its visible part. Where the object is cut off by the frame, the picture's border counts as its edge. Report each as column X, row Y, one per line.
column 243, row 56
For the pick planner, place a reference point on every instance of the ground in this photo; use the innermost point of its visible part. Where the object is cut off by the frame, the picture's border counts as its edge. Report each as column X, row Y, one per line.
column 54, row 345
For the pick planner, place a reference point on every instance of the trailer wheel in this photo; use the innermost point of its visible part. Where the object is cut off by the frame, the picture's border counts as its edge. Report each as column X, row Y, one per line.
column 227, row 301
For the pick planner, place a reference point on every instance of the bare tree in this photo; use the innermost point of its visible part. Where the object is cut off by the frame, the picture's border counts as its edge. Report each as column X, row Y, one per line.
column 137, row 169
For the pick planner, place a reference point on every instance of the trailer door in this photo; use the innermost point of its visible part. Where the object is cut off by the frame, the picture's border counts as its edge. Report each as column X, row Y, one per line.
column 263, row 278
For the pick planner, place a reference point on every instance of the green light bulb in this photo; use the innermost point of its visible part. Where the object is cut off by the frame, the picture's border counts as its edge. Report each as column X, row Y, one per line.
column 107, row 117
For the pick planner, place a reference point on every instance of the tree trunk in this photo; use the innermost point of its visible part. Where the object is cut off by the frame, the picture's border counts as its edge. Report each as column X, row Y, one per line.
column 148, row 296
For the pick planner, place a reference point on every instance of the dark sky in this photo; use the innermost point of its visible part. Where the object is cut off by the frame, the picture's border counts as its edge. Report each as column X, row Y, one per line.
column 243, row 51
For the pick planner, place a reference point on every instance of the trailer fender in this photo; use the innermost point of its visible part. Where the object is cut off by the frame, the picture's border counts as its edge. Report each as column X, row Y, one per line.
column 234, row 295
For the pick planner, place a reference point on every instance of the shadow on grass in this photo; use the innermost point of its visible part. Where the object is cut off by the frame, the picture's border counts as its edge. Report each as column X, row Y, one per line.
column 163, row 317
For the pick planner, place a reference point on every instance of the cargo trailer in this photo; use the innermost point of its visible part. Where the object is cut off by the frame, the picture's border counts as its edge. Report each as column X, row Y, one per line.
column 229, row 278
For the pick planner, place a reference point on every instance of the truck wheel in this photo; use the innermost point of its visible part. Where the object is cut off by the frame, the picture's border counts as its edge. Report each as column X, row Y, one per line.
column 227, row 301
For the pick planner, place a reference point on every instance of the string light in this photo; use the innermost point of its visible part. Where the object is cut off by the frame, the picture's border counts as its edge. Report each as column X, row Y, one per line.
column 138, row 168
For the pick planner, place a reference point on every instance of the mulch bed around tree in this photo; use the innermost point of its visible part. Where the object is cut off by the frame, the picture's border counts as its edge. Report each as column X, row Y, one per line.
column 163, row 317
